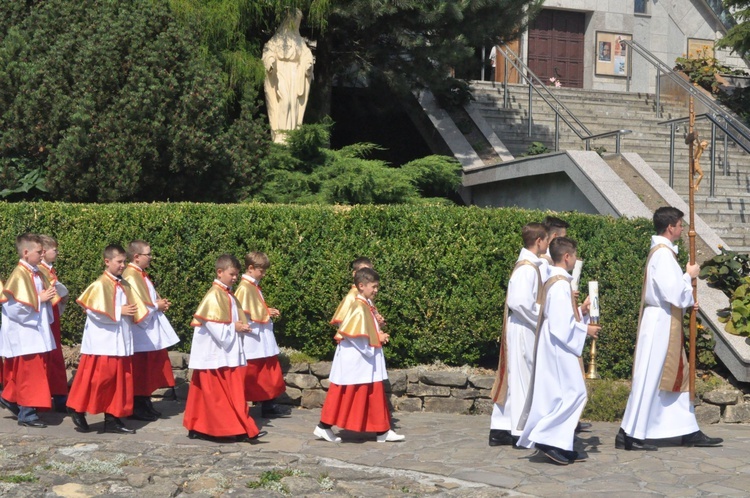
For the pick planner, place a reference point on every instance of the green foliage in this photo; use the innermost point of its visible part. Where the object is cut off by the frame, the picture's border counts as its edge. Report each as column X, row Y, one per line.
column 444, row 270
column 271, row 480
column 304, row 171
column 18, row 478
column 705, row 357
column 726, row 270
column 535, row 149
column 702, row 69
column 607, row 400
column 452, row 93
column 738, row 37
column 111, row 101
column 12, row 172
column 737, row 317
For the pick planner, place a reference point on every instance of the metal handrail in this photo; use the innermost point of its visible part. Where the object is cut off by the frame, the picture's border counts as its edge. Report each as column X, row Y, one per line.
column 529, row 75
column 714, row 124
column 689, row 88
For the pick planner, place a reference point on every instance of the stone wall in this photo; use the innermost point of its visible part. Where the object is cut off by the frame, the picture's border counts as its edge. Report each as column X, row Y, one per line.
column 429, row 389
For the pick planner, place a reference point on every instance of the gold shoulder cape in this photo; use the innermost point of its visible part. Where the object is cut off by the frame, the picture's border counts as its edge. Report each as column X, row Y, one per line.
column 99, row 297
column 20, row 285
column 141, row 297
column 344, row 306
column 499, row 391
column 251, row 302
column 359, row 322
column 216, row 306
column 675, row 375
column 52, row 279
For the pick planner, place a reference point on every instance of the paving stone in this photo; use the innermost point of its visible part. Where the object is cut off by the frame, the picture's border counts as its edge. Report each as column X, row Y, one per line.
column 425, row 390
column 737, row 413
column 482, row 381
column 301, row 381
column 313, row 398
column 722, row 397
column 300, row 486
column 321, row 369
column 707, row 414
column 447, row 405
column 440, row 378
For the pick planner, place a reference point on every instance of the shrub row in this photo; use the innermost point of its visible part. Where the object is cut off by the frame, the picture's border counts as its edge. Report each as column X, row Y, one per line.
column 444, row 270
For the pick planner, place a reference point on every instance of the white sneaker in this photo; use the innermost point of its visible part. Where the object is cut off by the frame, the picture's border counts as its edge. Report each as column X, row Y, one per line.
column 326, row 434
column 390, row 436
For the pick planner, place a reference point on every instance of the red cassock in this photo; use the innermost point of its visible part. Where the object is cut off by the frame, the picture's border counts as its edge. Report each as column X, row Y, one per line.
column 216, row 403
column 263, row 379
column 26, row 381
column 2, row 372
column 56, row 374
column 151, row 370
column 357, row 407
column 103, row 384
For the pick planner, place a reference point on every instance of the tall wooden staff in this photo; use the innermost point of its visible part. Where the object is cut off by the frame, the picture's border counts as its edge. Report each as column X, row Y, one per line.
column 692, row 140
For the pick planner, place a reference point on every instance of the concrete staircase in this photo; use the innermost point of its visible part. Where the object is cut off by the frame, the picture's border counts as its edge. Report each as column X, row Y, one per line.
column 728, row 212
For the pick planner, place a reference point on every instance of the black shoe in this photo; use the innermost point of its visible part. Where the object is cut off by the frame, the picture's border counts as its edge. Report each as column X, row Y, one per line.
column 583, row 427
column 114, row 424
column 625, row 442
column 144, row 416
column 8, row 405
column 79, row 420
column 204, row 437
column 699, row 439
column 150, row 407
column 501, row 438
column 574, row 456
column 273, row 411
column 555, row 454
column 244, row 438
column 32, row 423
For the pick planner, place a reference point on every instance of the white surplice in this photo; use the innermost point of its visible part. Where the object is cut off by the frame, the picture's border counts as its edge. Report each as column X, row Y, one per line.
column 106, row 337
column 217, row 345
column 261, row 341
column 523, row 289
column 24, row 330
column 652, row 413
column 154, row 332
column 559, row 392
column 356, row 362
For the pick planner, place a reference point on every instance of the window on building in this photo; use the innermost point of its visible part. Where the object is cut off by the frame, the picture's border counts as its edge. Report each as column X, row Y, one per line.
column 641, row 7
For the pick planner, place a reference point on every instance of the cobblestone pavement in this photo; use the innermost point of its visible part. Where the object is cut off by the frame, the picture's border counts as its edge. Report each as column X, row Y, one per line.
column 443, row 455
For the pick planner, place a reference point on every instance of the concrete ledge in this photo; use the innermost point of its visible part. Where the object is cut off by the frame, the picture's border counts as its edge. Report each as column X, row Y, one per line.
column 500, row 149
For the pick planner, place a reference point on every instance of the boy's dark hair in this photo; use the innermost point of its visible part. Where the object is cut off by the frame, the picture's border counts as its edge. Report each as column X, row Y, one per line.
column 365, row 276
column 362, row 262
column 531, row 232
column 666, row 216
column 257, row 259
column 113, row 250
column 23, row 241
column 136, row 247
column 227, row 261
column 560, row 246
column 48, row 242
column 555, row 225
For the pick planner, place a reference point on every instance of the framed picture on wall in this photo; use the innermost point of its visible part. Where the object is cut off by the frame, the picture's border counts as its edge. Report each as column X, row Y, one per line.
column 611, row 54
column 696, row 47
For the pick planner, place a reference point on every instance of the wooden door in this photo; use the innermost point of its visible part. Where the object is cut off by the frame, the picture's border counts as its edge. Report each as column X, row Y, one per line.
column 515, row 46
column 556, row 46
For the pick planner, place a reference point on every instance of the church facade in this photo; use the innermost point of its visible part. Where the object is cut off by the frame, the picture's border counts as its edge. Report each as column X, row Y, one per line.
column 579, row 42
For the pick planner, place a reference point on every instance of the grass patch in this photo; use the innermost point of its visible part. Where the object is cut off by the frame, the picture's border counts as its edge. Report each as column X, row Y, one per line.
column 607, row 400
column 326, row 483
column 271, row 480
column 707, row 383
column 289, row 356
column 18, row 478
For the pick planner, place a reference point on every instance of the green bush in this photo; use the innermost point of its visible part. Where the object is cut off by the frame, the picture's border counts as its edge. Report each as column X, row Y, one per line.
column 607, row 400
column 444, row 269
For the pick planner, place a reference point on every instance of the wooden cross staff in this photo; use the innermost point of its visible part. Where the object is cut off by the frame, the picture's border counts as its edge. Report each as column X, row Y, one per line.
column 695, row 149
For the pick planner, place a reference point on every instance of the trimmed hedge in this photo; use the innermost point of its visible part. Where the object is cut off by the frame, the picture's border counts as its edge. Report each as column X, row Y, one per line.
column 444, row 270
